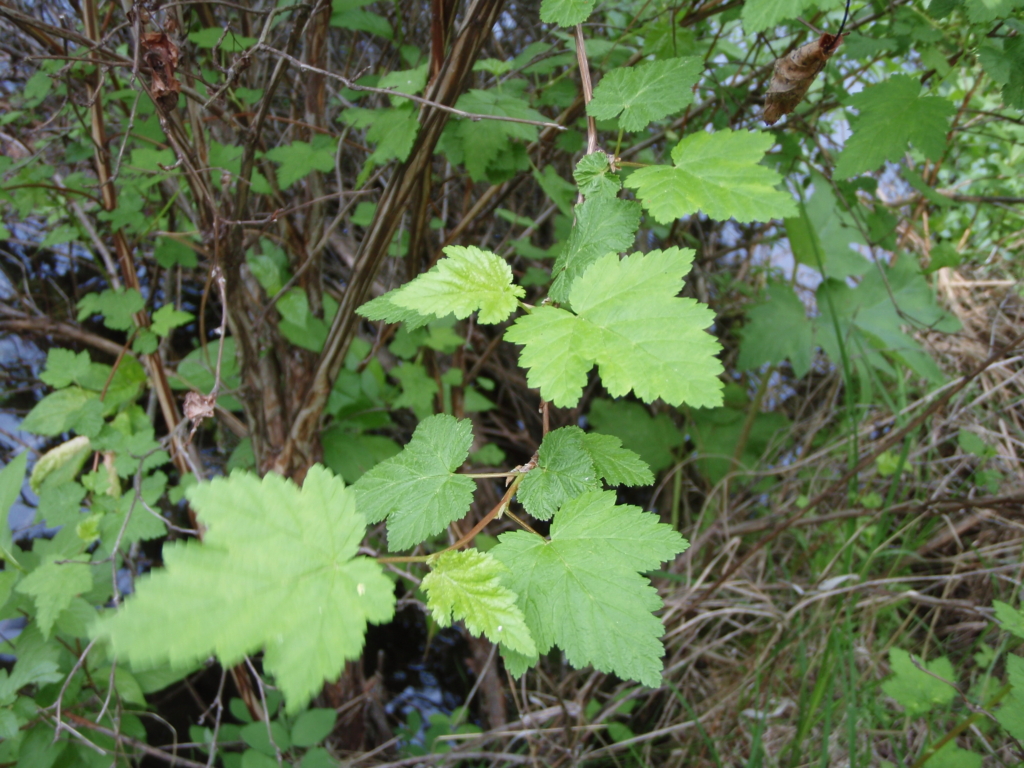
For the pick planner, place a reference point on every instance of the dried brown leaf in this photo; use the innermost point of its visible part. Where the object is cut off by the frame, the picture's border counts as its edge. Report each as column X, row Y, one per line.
column 794, row 74
column 161, row 56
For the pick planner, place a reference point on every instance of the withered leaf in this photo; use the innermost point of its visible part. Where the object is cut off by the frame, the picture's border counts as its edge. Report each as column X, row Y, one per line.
column 160, row 54
column 794, row 74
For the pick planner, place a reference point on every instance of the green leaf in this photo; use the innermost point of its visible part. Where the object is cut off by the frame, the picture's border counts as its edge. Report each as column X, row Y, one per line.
column 883, row 131
column 11, row 479
column 231, row 42
column 952, row 756
column 301, row 158
column 823, row 234
column 169, row 252
column 313, row 726
column 466, row 585
column 647, row 92
column 617, row 465
column 603, row 225
column 1011, row 619
column 717, row 432
column 652, row 438
column 717, row 173
column 564, row 471
column 117, row 307
column 467, row 279
column 566, row 13
column 419, row 389
column 629, row 321
column 776, row 330
column 1011, row 713
column 277, row 570
column 384, row 308
column 393, row 130
column 759, row 15
column 52, row 586
column 917, row 691
column 986, row 11
column 581, row 590
column 64, row 367
column 63, row 410
column 594, row 176
column 61, row 463
column 167, row 318
column 417, row 490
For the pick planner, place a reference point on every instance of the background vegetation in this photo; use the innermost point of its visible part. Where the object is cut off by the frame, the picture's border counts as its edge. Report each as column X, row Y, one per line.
column 178, row 174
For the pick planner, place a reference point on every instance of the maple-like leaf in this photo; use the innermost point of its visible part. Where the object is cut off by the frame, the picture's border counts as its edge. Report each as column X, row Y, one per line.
column 777, row 329
column 392, row 129
column 652, row 438
column 300, row 158
column 916, row 690
column 759, row 15
column 277, row 570
column 467, row 585
column 1011, row 714
column 603, row 225
column 54, row 584
column 566, row 13
column 581, row 589
column 883, row 130
column 417, row 490
column 564, row 471
column 167, row 318
column 717, row 173
column 628, row 320
column 384, row 308
column 1011, row 619
column 117, row 307
column 467, row 279
column 63, row 366
column 647, row 92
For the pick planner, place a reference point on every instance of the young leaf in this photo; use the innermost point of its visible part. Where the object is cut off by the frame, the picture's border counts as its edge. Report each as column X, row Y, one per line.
column 467, row 585
column 647, row 92
column 564, row 471
column 417, row 490
column 777, row 329
column 883, row 131
column 117, row 307
column 277, row 570
column 301, row 158
column 603, row 225
column 565, row 13
column 918, row 691
column 384, row 308
column 581, row 590
column 617, row 465
column 466, row 280
column 64, row 367
column 167, row 318
column 594, row 177
column 717, row 173
column 629, row 321
column 1011, row 619
column 52, row 586
column 63, row 410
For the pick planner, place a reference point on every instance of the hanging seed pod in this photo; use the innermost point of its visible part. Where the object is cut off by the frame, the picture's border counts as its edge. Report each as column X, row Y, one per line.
column 794, row 74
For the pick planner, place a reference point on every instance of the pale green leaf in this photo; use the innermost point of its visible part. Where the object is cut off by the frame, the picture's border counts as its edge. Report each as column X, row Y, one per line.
column 277, row 570
column 467, row 279
column 882, row 131
column 66, row 459
column 1011, row 713
column 759, row 15
column 952, row 756
column 581, row 590
column 717, row 173
column 12, row 477
column 617, row 465
column 417, row 490
column 647, row 92
column 384, row 308
column 167, row 318
column 564, row 471
column 629, row 321
column 52, row 585
column 466, row 585
column 917, row 691
column 300, row 158
column 778, row 329
column 603, row 225
column 63, row 410
column 566, row 13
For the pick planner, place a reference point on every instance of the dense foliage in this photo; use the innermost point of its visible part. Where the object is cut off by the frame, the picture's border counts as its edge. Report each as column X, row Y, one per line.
column 318, row 315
